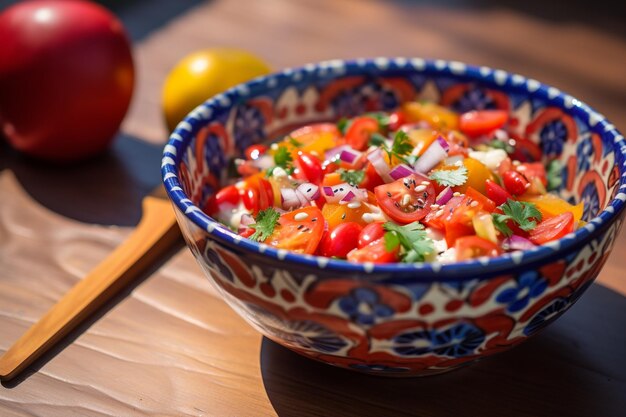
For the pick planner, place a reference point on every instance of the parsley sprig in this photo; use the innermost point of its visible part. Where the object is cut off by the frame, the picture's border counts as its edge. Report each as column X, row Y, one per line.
column 412, row 238
column 525, row 215
column 351, row 176
column 450, row 177
column 400, row 148
column 266, row 222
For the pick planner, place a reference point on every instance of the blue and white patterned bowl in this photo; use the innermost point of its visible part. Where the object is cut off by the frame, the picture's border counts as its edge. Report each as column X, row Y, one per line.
column 397, row 319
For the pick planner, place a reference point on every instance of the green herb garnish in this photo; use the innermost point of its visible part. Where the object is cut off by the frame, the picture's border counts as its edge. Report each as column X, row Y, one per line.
column 282, row 159
column 413, row 239
column 500, row 144
column 450, row 177
column 554, row 174
column 266, row 222
column 294, row 142
column 351, row 176
column 343, row 124
column 376, row 139
column 525, row 215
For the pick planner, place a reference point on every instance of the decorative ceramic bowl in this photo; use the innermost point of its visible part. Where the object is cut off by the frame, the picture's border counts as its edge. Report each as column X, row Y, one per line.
column 397, row 319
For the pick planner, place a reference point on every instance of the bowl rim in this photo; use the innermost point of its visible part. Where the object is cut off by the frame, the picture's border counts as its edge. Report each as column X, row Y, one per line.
column 424, row 271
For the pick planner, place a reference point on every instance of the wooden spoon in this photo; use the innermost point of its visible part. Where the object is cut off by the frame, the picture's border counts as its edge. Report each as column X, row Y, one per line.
column 155, row 234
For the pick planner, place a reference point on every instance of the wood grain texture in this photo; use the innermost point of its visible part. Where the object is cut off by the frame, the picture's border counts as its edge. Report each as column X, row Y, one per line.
column 155, row 235
column 170, row 346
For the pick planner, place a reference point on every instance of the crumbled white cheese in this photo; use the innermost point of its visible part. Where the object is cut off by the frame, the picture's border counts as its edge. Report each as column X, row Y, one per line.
column 491, row 158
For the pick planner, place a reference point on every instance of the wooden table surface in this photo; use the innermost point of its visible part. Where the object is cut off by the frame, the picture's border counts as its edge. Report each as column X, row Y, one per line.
column 170, row 346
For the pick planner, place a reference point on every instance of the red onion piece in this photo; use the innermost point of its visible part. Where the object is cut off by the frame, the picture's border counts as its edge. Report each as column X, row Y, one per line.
column 343, row 191
column 516, row 242
column 444, row 196
column 246, row 220
column 309, row 190
column 348, row 197
column 380, row 165
column 328, row 191
column 400, row 171
column 350, row 156
column 263, row 162
column 333, row 153
column 435, row 153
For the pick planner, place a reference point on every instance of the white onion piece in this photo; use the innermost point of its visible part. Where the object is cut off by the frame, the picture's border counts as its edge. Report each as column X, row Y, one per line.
column 380, row 165
column 435, row 153
column 516, row 242
column 289, row 199
column 400, row 171
column 309, row 190
column 444, row 196
column 302, row 199
column 246, row 220
column 263, row 162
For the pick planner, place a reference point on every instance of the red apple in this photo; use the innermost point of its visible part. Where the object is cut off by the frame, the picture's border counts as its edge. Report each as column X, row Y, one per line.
column 66, row 78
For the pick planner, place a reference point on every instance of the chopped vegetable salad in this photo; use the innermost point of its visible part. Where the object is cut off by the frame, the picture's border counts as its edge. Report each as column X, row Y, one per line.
column 420, row 184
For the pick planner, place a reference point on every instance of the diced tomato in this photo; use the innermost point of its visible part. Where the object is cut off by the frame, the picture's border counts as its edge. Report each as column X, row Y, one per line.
column 247, row 232
column 225, row 199
column 470, row 247
column 332, row 179
column 552, row 229
column 437, row 218
column 496, row 193
column 532, row 170
column 515, row 183
column 486, row 204
column 406, row 200
column 437, row 116
column 253, row 152
column 396, row 120
column 308, row 168
column 477, row 175
column 300, row 236
column 371, row 179
column 340, row 240
column 481, row 122
column 370, row 233
column 315, row 138
column 456, row 230
column 375, row 252
column 359, row 132
column 256, row 193
column 336, row 214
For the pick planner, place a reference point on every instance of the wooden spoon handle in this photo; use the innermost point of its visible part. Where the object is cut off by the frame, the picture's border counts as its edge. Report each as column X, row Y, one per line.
column 156, row 233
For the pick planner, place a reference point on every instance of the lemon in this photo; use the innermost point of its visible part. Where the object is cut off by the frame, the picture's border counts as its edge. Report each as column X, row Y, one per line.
column 203, row 74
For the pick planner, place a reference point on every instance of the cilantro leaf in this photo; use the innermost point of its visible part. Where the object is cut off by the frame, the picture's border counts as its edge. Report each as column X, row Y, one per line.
column 450, row 178
column 266, row 222
column 500, row 144
column 282, row 158
column 376, row 139
column 352, row 177
column 401, row 145
column 343, row 124
column 554, row 174
column 417, row 245
column 525, row 215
